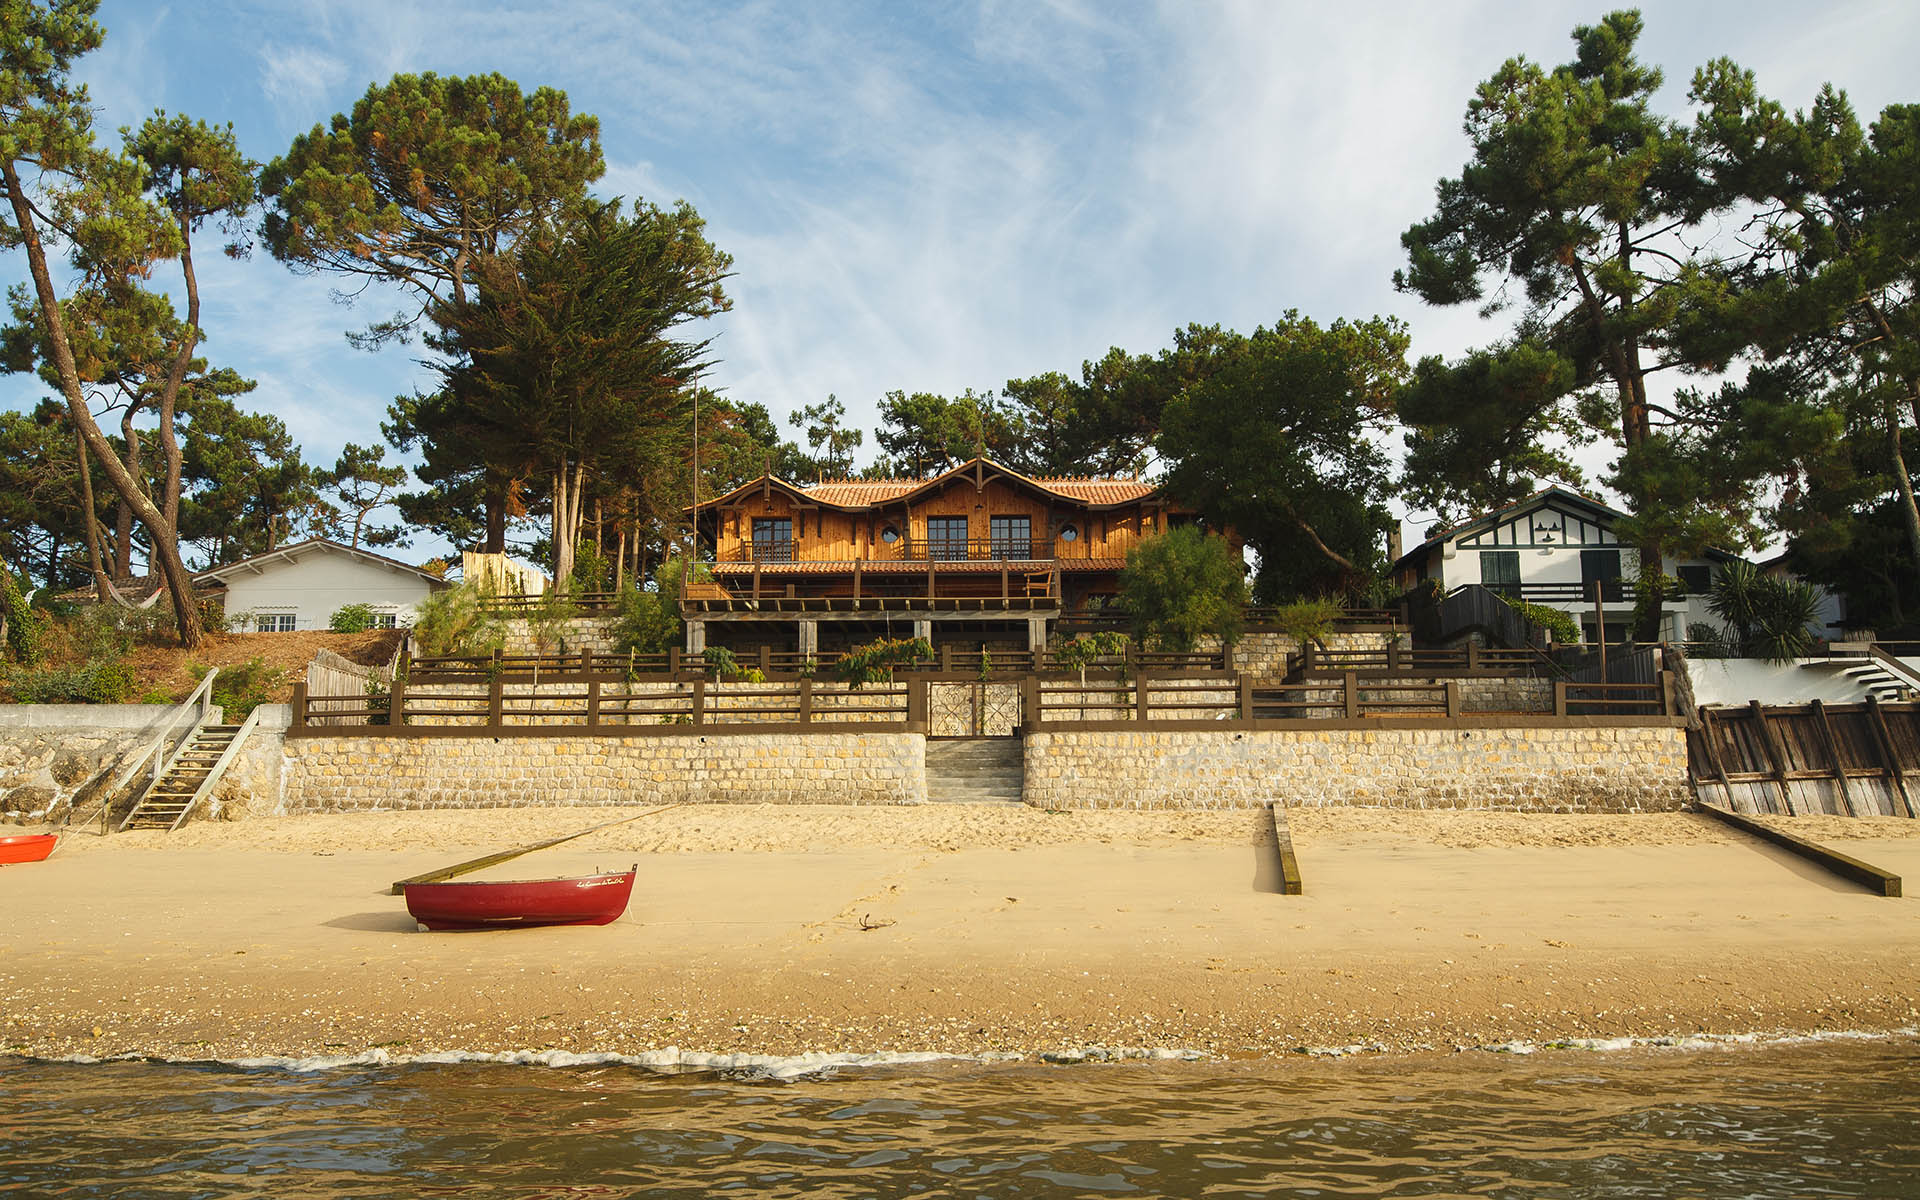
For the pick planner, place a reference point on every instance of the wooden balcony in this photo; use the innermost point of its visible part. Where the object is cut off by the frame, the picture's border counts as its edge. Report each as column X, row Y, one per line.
column 1001, row 549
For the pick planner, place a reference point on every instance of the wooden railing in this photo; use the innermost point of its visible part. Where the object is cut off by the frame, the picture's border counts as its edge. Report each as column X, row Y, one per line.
column 1037, row 548
column 576, row 705
column 1398, row 662
column 586, row 603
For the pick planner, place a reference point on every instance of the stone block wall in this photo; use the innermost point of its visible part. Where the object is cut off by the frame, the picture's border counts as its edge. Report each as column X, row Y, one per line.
column 593, row 633
column 1540, row 768
column 352, row 773
column 55, row 755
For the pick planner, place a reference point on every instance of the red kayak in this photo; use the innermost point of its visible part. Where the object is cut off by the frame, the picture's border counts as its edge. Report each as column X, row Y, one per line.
column 585, row 900
column 27, row 847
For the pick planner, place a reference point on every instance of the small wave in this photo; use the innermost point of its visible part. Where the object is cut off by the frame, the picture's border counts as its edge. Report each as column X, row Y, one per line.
column 672, row 1060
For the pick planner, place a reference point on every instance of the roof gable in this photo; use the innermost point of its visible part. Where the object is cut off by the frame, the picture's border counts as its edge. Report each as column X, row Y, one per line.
column 261, row 563
column 869, row 493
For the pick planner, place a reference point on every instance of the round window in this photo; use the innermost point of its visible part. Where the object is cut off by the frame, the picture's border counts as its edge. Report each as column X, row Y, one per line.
column 889, row 535
column 1068, row 533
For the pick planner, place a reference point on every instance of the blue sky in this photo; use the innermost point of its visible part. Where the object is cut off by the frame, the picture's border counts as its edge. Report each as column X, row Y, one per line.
column 942, row 195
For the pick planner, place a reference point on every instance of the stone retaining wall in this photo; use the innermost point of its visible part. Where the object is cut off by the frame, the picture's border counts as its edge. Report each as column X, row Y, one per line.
column 1561, row 768
column 54, row 755
column 334, row 774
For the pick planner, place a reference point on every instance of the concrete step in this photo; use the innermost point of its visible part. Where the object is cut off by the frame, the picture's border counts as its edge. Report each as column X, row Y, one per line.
column 975, row 771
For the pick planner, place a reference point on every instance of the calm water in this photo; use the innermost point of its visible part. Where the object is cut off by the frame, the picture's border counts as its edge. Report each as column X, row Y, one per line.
column 1827, row 1119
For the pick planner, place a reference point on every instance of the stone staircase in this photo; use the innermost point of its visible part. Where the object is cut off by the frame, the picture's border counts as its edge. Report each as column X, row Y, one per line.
column 1874, row 674
column 181, row 786
column 975, row 770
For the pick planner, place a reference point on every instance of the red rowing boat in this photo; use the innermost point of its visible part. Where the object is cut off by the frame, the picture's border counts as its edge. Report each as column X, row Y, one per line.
column 583, row 900
column 27, row 847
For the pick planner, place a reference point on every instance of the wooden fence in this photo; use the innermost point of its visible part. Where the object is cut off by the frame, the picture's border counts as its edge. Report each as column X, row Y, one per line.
column 1788, row 760
column 1398, row 662
column 1239, row 701
column 330, row 675
column 525, row 702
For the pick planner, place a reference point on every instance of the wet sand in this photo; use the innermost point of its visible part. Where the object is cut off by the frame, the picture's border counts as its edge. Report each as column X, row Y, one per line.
column 956, row 928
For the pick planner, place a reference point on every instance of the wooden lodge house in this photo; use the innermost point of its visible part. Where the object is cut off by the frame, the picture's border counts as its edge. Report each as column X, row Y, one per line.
column 980, row 556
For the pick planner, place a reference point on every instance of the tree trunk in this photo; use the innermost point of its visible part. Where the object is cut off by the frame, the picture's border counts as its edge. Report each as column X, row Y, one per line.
column 176, row 375
column 123, row 512
column 166, row 546
column 1902, row 481
column 495, row 500
column 89, row 520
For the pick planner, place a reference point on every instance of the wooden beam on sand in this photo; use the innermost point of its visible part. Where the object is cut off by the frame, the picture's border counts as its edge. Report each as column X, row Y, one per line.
column 1290, row 884
column 1883, row 883
column 481, row 863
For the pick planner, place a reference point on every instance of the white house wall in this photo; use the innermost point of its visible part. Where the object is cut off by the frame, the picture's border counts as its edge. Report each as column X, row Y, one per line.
column 315, row 584
column 1549, row 542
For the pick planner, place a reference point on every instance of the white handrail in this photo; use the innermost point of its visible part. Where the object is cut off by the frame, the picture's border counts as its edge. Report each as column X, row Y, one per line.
column 203, row 697
column 219, row 768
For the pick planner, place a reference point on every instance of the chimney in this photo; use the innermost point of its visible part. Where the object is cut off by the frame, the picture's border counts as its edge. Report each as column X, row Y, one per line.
column 1393, row 544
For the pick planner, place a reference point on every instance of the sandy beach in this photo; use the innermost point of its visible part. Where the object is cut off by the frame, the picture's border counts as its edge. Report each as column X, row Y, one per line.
column 962, row 929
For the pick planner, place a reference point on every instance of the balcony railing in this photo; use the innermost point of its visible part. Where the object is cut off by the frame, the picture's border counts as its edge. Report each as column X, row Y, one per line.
column 1000, row 549
column 1612, row 591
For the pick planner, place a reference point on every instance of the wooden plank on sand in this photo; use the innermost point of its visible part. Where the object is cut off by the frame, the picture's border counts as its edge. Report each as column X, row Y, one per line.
column 477, row 864
column 1289, row 865
column 1884, row 883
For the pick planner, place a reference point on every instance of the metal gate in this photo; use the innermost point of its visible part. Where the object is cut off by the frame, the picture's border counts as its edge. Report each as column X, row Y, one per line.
column 973, row 709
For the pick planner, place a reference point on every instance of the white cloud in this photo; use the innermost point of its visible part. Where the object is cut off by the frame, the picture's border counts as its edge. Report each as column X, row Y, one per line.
column 300, row 79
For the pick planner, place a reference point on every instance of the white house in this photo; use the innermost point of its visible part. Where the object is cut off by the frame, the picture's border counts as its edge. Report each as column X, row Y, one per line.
column 301, row 586
column 1554, row 548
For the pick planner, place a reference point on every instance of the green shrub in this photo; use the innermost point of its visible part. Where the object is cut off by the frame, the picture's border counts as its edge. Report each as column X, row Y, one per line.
column 1077, row 654
column 1307, row 619
column 645, row 625
column 721, row 662
column 24, row 626
column 351, row 618
column 876, row 661
column 453, row 622
column 1182, row 586
column 96, row 681
column 241, row 689
column 1554, row 620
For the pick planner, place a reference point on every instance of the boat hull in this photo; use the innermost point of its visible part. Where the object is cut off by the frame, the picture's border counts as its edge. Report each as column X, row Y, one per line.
column 585, row 900
column 27, row 847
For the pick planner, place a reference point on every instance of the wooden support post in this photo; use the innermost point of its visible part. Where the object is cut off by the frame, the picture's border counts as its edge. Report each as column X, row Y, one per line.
column 929, row 573
column 1140, row 694
column 1246, row 697
column 1393, row 657
column 917, row 702
column 1004, row 592
column 1030, row 700
column 1874, row 879
column 946, row 659
column 1453, row 697
column 700, row 700
column 496, row 693
column 396, row 702
column 1559, row 698
column 806, row 701
column 673, row 660
column 586, row 662
column 1832, row 748
column 1290, row 884
column 1473, row 658
column 1306, row 656
column 298, row 723
column 856, row 579
column 766, row 660
column 1896, row 774
column 1669, row 694
column 593, row 704
column 1350, row 684
column 1776, row 760
column 1710, row 745
column 756, row 581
